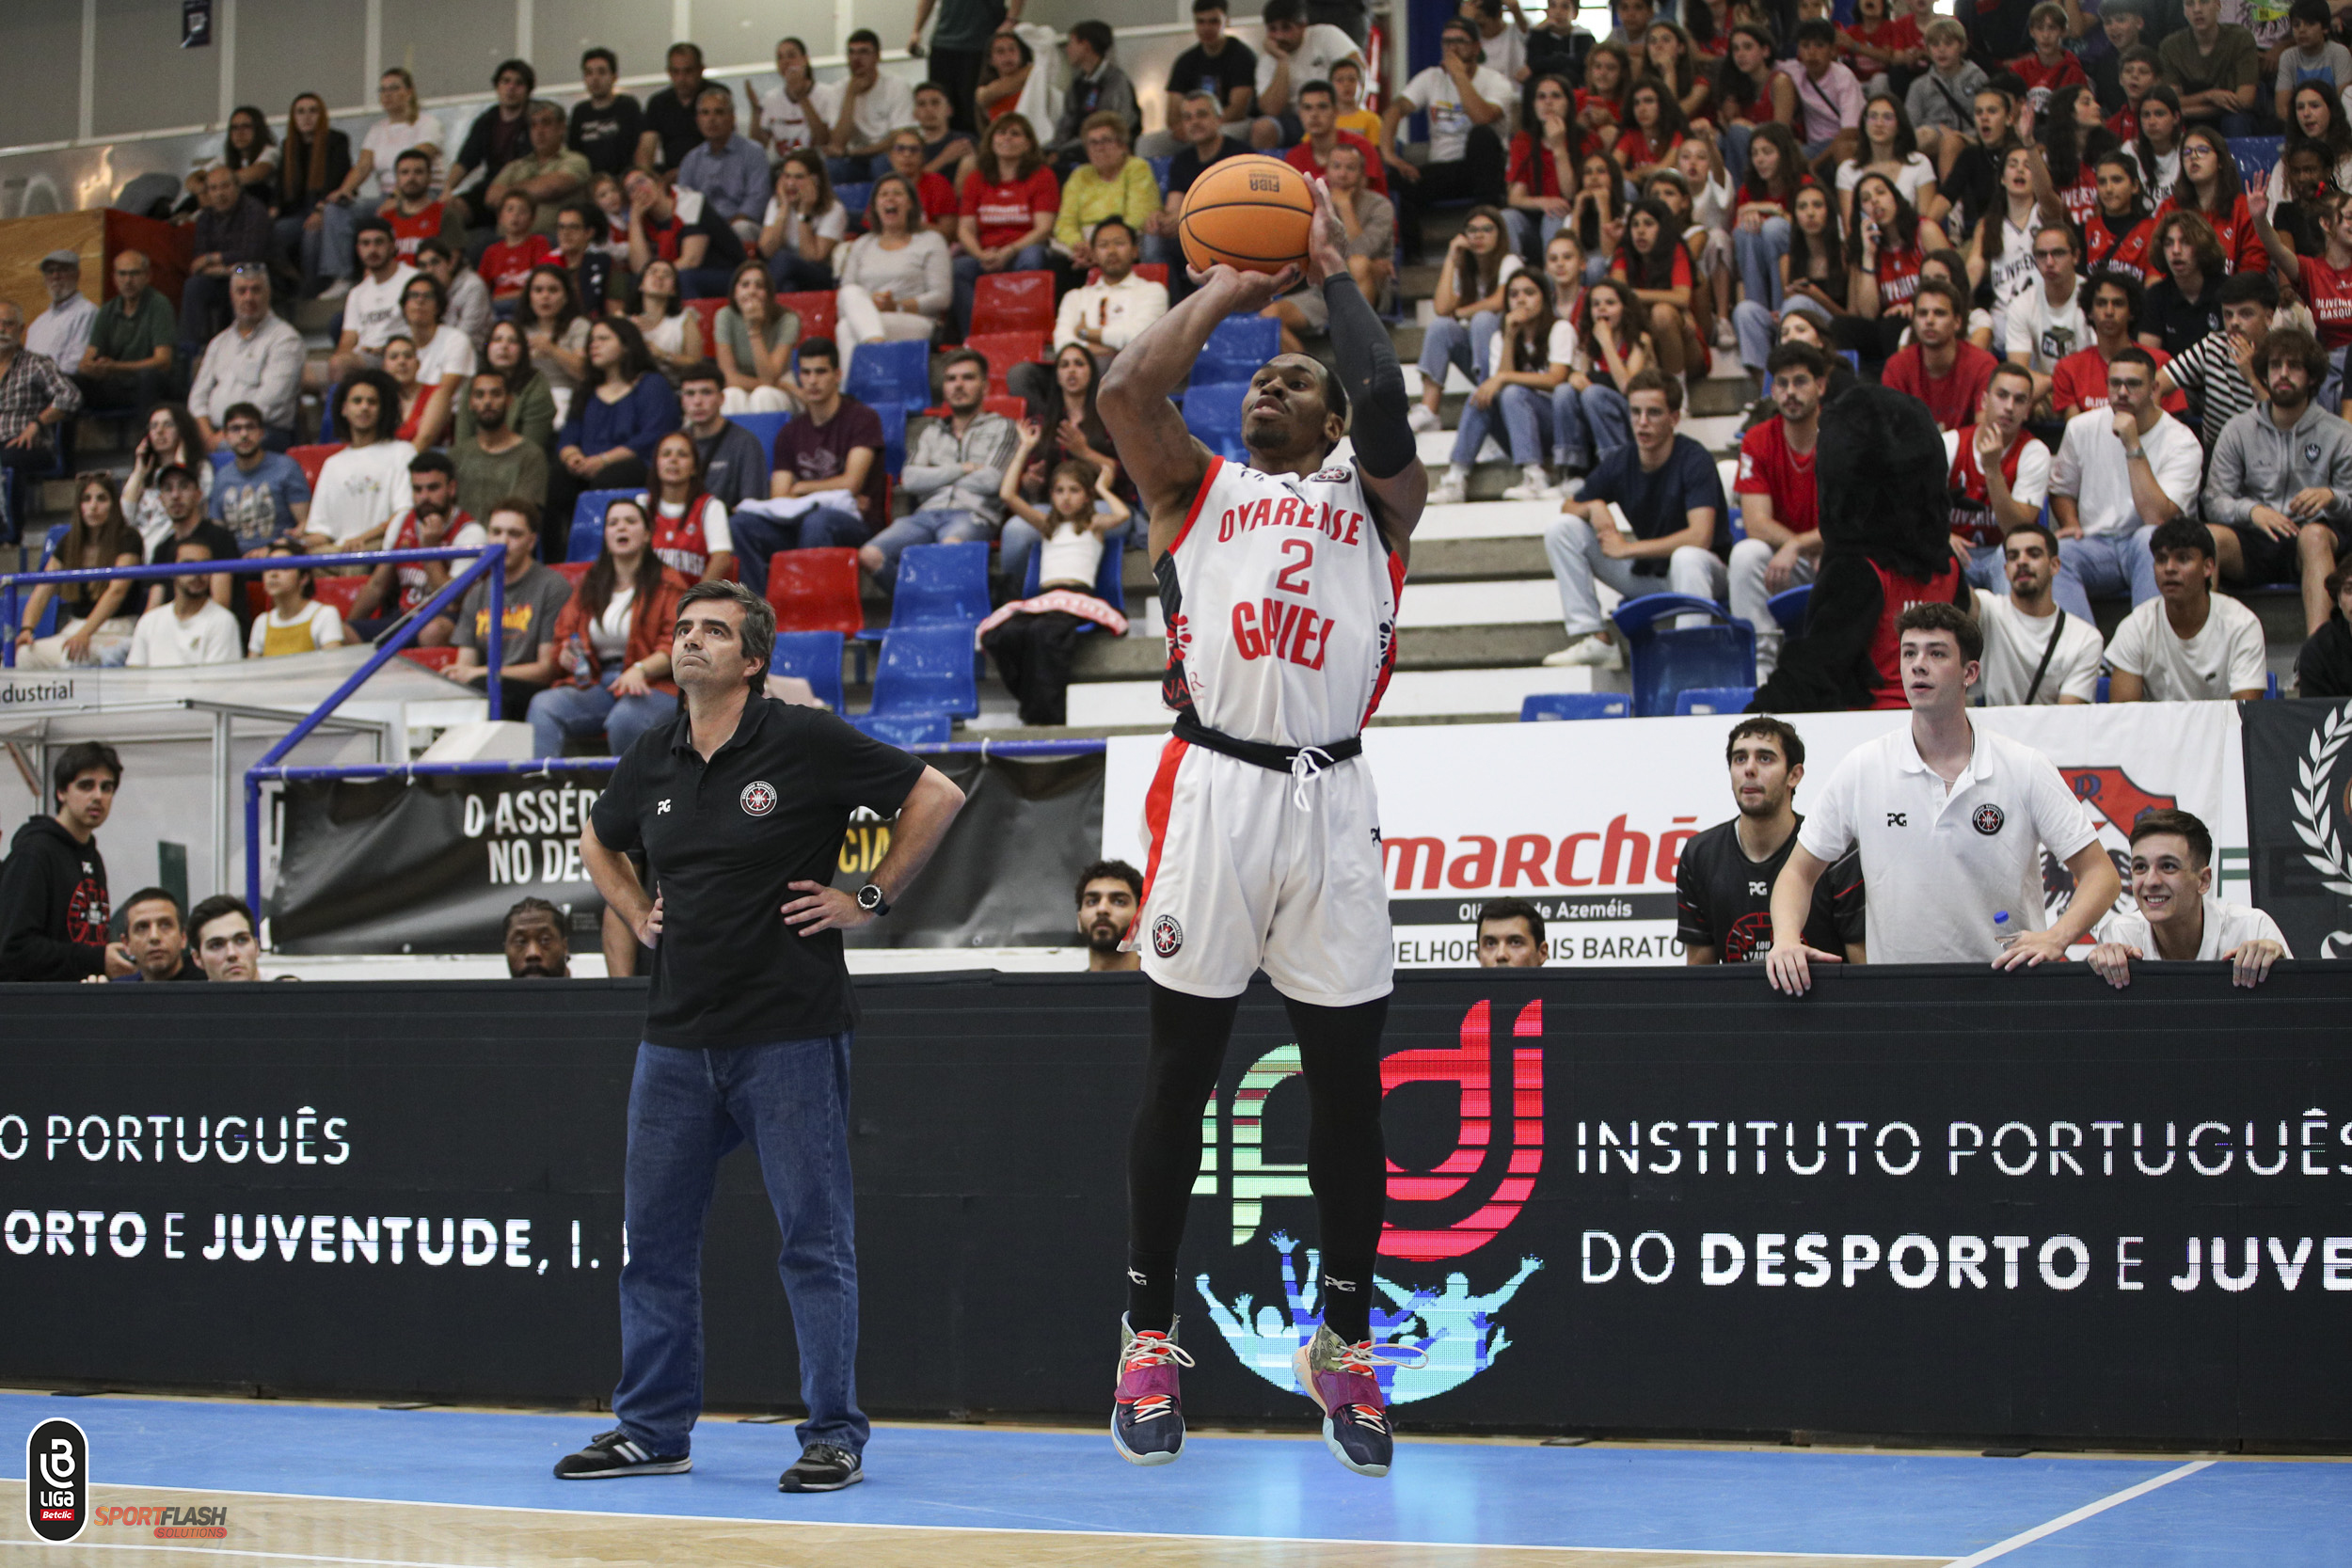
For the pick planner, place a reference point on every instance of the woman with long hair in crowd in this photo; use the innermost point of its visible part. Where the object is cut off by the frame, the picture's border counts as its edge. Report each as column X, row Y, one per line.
column 1588, row 409
column 1596, row 213
column 753, row 337
column 804, row 224
column 1009, row 201
column 248, row 150
column 2075, row 137
column 2000, row 254
column 1759, row 232
column 445, row 358
column 171, row 437
column 400, row 363
column 1670, row 56
column 1750, row 94
column 1065, row 412
column 673, row 334
column 531, row 411
column 1542, row 169
column 1890, row 147
column 2316, row 122
column 690, row 524
column 1885, row 270
column 1654, row 262
column 2118, row 232
column 898, row 283
column 96, row 618
column 1601, row 101
column 1563, row 269
column 1814, row 277
column 608, row 441
column 312, row 162
column 1530, row 355
column 2209, row 186
column 2158, row 145
column 1654, row 128
column 1009, row 61
column 613, row 643
column 554, row 326
column 1477, row 262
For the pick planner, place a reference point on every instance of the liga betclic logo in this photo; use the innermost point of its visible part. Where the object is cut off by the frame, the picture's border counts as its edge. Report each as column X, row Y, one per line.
column 57, row 1480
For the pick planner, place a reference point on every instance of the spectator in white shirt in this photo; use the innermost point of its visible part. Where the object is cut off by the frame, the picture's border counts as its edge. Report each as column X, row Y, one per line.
column 364, row 486
column 871, row 105
column 189, row 627
column 2034, row 652
column 62, row 331
column 1470, row 117
column 796, row 114
column 371, row 311
column 2119, row 471
column 1106, row 314
column 402, row 127
column 2188, row 644
column 2045, row 325
column 1951, row 821
column 1296, row 53
column 2177, row 918
column 469, row 295
column 256, row 359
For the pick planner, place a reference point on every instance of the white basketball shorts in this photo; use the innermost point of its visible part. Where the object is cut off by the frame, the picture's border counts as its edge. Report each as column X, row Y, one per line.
column 1242, row 878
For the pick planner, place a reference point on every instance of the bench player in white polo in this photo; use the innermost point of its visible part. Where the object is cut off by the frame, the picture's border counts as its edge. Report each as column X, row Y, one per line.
column 1951, row 820
column 1278, row 581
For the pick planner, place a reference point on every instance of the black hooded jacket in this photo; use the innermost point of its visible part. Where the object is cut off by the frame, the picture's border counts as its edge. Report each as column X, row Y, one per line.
column 1883, row 510
column 53, row 905
column 2324, row 668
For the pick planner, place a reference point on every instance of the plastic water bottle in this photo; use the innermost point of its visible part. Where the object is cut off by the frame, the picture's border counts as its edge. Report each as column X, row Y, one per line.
column 2003, row 932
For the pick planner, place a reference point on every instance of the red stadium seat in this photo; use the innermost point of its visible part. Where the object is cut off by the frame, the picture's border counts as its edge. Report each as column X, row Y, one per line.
column 313, row 458
column 256, row 597
column 816, row 312
column 432, row 658
column 1004, row 350
column 707, row 310
column 815, row 590
column 339, row 591
column 573, row 570
column 1009, row 407
column 1013, row 302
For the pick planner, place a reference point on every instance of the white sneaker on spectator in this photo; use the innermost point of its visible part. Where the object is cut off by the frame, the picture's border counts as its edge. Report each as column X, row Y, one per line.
column 1452, row 490
column 1533, row 485
column 335, row 291
column 1725, row 337
column 1422, row 418
column 1590, row 649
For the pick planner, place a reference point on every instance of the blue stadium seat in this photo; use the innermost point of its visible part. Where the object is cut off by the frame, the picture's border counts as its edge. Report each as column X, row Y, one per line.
column 587, row 536
column 2254, row 155
column 927, row 669
column 1110, row 579
column 764, row 428
column 1212, row 413
column 1669, row 659
column 1787, row 605
column 1714, row 699
column 892, row 375
column 1576, row 704
column 1237, row 347
column 941, row 585
column 49, row 614
column 1159, row 171
column 816, row 658
column 856, row 197
column 894, row 423
column 906, row 729
column 222, row 458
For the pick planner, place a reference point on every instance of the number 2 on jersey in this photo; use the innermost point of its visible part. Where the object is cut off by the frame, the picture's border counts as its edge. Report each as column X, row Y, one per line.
column 1293, row 578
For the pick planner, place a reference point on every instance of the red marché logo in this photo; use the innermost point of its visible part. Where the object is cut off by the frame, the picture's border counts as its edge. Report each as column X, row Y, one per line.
column 1616, row 856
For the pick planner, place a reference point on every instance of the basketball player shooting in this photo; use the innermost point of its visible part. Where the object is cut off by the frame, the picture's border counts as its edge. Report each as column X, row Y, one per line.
column 1278, row 581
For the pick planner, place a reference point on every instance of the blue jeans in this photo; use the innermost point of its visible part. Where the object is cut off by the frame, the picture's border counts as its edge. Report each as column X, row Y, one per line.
column 688, row 1109
column 1985, row 569
column 946, row 525
column 2109, row 565
column 1735, row 140
column 1530, row 231
column 1521, row 411
column 853, row 170
column 332, row 246
column 589, row 710
column 1030, row 258
column 1447, row 341
column 1758, row 259
column 1587, row 426
column 757, row 538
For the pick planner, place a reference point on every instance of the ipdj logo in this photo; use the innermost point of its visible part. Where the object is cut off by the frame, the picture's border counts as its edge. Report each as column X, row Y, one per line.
column 57, row 1480
column 1455, row 1209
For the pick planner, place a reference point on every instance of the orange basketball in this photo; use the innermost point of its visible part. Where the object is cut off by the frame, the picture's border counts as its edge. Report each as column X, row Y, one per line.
column 1251, row 212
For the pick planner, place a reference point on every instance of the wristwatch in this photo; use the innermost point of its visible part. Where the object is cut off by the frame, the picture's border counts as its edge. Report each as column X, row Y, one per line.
column 870, row 899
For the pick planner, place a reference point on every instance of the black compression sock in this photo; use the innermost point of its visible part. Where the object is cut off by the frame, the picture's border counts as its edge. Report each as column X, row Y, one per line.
column 1347, row 1297
column 1151, row 1291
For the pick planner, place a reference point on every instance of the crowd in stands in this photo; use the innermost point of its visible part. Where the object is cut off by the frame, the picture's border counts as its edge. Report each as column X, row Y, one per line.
column 2131, row 330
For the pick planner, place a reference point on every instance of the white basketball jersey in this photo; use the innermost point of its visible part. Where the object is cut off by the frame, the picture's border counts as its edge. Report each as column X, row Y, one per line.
column 1281, row 596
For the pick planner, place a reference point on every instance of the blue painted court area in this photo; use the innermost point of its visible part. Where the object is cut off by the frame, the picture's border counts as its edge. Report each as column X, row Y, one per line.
column 2278, row 1514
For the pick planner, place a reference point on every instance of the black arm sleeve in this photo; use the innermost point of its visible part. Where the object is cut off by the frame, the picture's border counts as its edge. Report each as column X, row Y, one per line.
column 1374, row 381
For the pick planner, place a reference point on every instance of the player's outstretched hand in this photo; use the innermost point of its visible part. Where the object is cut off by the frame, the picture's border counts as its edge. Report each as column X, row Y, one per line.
column 1326, row 237
column 1243, row 292
column 1789, row 968
column 823, row 908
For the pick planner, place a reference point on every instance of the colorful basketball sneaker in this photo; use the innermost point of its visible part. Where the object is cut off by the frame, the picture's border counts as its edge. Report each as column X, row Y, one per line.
column 1148, row 1420
column 1344, row 1380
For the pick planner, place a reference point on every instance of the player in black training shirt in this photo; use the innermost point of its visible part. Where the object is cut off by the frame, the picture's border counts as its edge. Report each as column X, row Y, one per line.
column 1723, row 889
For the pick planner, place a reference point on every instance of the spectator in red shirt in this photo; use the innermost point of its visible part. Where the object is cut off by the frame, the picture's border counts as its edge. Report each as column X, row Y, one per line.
column 413, row 213
column 1939, row 367
column 507, row 263
column 1883, row 45
column 2049, row 67
column 2118, row 230
column 2080, row 382
column 1887, row 255
column 1008, row 203
column 1542, row 174
column 1780, row 508
column 1318, row 119
column 2210, row 188
column 1655, row 127
column 2323, row 280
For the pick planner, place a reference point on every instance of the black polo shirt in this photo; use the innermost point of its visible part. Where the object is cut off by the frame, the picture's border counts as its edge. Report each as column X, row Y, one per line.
column 726, row 839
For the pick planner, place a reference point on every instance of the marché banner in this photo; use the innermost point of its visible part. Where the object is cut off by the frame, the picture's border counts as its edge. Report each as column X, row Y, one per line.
column 1588, row 820
column 432, row 864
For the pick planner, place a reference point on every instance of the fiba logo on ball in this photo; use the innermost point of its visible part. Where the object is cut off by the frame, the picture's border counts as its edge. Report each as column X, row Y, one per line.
column 1988, row 819
column 1167, row 936
column 57, row 1480
column 758, row 797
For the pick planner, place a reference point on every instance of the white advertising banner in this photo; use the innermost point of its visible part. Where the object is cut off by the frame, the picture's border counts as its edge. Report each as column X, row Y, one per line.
column 1588, row 820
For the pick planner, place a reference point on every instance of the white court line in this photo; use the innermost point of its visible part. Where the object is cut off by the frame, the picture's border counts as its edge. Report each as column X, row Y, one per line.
column 866, row 1524
column 2002, row 1548
column 235, row 1551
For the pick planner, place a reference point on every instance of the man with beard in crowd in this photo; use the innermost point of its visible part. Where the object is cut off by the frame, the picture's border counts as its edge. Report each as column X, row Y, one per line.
column 1108, row 892
column 537, row 945
column 1723, row 885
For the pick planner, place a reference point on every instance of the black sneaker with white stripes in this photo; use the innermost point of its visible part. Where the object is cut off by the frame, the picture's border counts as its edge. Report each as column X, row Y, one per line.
column 823, row 1467
column 613, row 1453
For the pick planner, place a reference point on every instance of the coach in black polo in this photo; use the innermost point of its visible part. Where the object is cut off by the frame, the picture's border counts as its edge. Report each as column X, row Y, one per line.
column 739, row 808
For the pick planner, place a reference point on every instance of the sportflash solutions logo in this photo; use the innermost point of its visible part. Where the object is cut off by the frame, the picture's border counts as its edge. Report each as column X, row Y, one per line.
column 1441, row 1224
